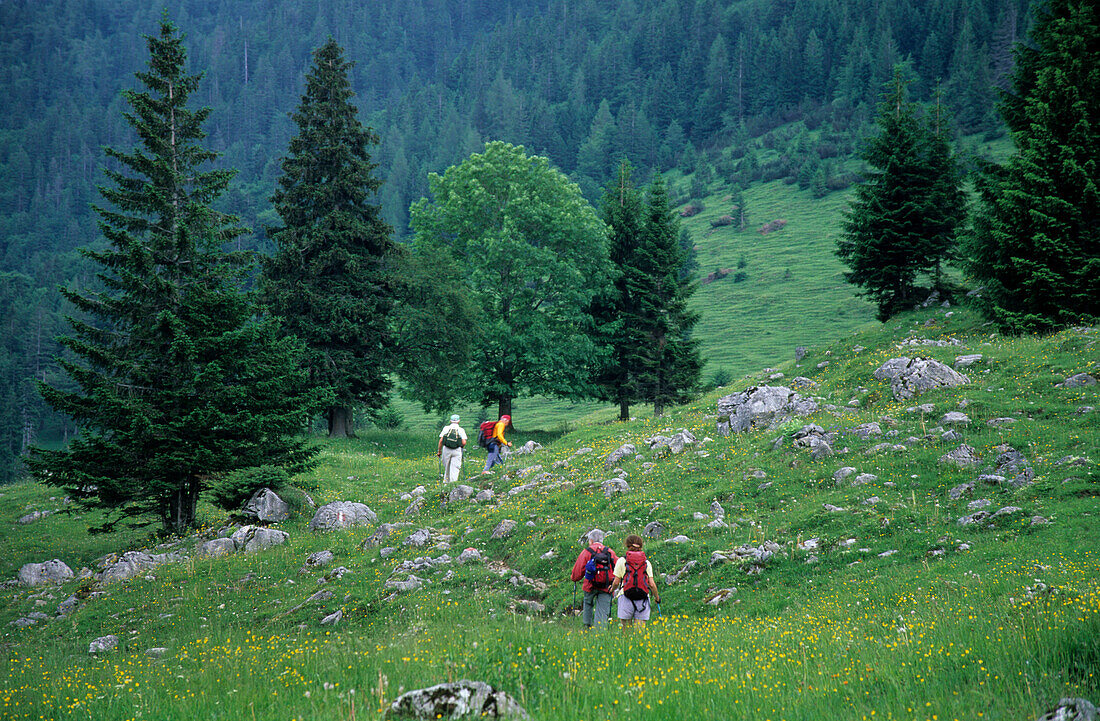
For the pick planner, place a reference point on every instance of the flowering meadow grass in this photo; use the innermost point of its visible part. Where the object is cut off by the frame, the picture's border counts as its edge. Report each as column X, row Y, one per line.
column 895, row 610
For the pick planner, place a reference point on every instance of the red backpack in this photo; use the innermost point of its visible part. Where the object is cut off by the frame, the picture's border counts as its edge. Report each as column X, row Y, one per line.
column 484, row 433
column 636, row 581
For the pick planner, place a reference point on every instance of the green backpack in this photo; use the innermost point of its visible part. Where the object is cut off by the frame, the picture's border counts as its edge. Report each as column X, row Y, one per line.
column 452, row 438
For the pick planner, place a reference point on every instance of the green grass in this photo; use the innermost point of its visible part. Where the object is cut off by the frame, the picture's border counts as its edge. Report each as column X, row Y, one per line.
column 957, row 622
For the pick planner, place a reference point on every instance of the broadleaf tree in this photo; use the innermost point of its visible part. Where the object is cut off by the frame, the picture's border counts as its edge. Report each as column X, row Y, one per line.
column 1035, row 247
column 179, row 380
column 534, row 254
column 331, row 277
column 902, row 222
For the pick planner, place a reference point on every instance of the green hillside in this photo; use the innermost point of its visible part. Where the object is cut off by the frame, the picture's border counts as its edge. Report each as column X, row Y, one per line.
column 871, row 600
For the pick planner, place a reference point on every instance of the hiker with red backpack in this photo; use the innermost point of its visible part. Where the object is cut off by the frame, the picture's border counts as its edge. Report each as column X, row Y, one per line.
column 634, row 575
column 491, row 437
column 595, row 564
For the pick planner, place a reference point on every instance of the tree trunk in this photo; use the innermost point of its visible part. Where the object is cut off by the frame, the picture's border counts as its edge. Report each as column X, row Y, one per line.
column 504, row 408
column 624, row 410
column 659, row 408
column 340, row 422
column 182, row 505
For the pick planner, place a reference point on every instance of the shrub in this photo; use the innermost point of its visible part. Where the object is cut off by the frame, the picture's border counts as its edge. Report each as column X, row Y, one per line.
column 387, row 417
column 721, row 377
column 231, row 491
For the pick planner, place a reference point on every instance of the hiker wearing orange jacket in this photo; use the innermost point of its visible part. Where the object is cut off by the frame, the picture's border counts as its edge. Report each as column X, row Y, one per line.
column 496, row 441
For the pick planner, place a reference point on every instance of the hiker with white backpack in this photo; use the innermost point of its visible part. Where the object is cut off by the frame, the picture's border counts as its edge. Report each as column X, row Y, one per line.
column 452, row 441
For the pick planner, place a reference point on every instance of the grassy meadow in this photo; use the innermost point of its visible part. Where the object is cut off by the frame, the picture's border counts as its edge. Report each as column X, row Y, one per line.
column 884, row 607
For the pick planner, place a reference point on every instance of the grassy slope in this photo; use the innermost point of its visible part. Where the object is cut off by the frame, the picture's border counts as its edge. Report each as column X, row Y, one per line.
column 910, row 634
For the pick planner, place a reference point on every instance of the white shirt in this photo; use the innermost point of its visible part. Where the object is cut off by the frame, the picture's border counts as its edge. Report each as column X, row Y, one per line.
column 461, row 433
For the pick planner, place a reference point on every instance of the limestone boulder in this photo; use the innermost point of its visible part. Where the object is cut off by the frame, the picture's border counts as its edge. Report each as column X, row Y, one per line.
column 266, row 506
column 761, row 407
column 342, row 514
column 41, row 574
column 910, row 377
column 459, row 700
column 250, row 539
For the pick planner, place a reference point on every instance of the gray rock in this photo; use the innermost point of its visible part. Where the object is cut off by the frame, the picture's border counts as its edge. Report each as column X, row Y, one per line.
column 484, row 495
column 961, row 490
column 679, row 539
column 1007, row 511
column 461, row 493
column 992, row 479
column 504, row 529
column 801, row 382
column 1039, row 521
column 384, row 531
column 459, row 700
column 843, row 473
column 951, row 436
column 342, row 514
column 1072, row 709
column 319, row 559
column 528, row 447
column 720, row 596
column 518, row 490
column 831, row 508
column 863, row 478
column 974, row 518
column 624, row 451
column 716, row 509
column 866, row 430
column 333, row 618
column 418, row 538
column 979, row 504
column 964, row 456
column 799, row 353
column 410, row 584
column 156, row 652
column 965, row 361
column 48, row 572
column 998, row 422
column 613, row 486
column 671, row 578
column 653, row 529
column 1078, row 381
column 761, row 407
column 955, row 418
column 216, row 548
column 909, row 377
column 922, row 408
column 67, row 606
column 133, row 563
column 413, row 509
column 524, row 472
column 103, row 644
column 265, row 505
column 32, row 517
column 255, row 538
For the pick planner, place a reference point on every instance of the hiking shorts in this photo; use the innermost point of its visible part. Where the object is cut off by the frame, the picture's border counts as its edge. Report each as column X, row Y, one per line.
column 633, row 610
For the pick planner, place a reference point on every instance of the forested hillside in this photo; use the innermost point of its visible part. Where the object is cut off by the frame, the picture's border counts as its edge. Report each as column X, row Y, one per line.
column 668, row 84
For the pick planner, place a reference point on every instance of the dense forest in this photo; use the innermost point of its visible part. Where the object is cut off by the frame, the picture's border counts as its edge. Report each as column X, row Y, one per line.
column 665, row 83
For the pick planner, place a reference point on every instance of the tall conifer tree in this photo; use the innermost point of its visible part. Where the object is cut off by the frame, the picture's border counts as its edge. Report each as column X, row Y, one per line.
column 179, row 383
column 329, row 278
column 673, row 364
column 1036, row 240
column 902, row 221
column 615, row 310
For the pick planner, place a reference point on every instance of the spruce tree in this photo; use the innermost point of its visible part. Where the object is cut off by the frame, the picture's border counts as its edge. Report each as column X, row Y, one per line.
column 329, row 277
column 179, row 383
column 615, row 310
column 1036, row 241
column 671, row 368
column 903, row 220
